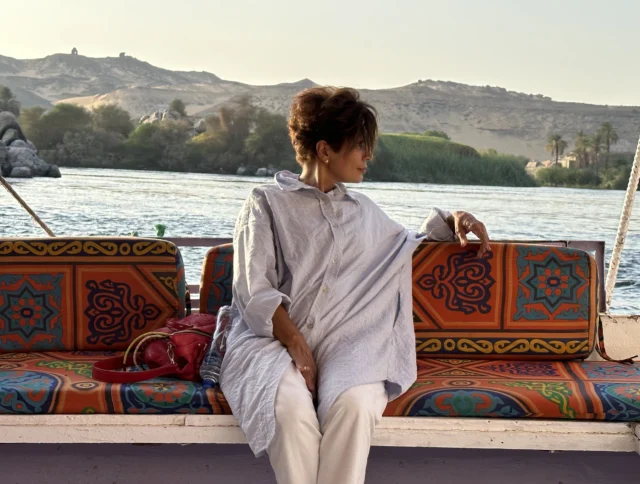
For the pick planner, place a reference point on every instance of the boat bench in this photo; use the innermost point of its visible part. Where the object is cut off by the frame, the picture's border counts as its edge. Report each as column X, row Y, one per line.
column 68, row 302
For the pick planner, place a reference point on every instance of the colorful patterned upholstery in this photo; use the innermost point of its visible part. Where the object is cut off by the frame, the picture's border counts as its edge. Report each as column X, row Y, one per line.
column 552, row 295
column 522, row 301
column 61, row 383
column 577, row 390
column 90, row 293
column 519, row 302
column 216, row 278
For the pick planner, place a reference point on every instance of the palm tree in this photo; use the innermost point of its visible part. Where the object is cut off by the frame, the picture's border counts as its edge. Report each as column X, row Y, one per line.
column 556, row 145
column 582, row 149
column 8, row 102
column 609, row 137
column 595, row 147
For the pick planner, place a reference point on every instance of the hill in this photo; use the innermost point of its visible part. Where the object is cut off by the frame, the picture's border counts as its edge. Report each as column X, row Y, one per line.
column 481, row 116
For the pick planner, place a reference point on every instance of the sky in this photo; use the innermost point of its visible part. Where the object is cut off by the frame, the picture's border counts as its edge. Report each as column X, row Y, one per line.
column 570, row 50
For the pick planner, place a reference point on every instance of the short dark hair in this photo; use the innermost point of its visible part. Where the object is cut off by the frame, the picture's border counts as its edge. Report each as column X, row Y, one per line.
column 335, row 115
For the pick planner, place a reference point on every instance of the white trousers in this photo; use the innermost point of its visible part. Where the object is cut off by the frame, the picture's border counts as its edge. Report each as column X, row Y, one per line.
column 300, row 453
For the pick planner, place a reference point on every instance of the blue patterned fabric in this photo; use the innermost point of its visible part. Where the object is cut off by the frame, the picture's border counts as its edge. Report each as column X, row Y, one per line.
column 584, row 390
column 61, row 383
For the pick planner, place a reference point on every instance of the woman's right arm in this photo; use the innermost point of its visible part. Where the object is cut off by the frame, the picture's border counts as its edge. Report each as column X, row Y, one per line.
column 285, row 331
column 255, row 281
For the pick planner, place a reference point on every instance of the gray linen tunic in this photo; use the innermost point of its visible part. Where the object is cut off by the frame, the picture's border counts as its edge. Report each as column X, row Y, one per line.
column 342, row 268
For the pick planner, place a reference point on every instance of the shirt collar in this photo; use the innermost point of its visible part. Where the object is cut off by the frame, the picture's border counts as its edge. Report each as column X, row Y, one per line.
column 290, row 182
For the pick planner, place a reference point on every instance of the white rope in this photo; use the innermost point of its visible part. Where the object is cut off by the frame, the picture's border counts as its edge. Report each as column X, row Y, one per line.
column 623, row 226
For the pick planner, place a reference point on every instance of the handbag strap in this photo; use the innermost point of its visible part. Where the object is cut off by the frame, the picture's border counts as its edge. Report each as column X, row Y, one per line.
column 603, row 352
column 109, row 370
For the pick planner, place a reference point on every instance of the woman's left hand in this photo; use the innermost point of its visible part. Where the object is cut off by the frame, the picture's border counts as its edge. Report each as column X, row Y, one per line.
column 464, row 223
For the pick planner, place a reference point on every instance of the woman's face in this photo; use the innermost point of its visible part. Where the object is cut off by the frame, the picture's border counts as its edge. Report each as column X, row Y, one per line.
column 349, row 165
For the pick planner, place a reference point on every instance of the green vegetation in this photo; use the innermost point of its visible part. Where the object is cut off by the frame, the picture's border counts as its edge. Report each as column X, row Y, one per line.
column 160, row 230
column 112, row 119
column 8, row 101
column 616, row 177
column 178, row 106
column 608, row 135
column 588, row 168
column 556, row 146
column 437, row 134
column 427, row 159
column 49, row 129
column 242, row 135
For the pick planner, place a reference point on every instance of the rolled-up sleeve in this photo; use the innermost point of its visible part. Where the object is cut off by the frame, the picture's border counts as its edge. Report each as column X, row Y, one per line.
column 255, row 278
column 436, row 228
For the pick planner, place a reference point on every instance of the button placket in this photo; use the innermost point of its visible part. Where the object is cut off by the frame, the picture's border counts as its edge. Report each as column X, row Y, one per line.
column 331, row 273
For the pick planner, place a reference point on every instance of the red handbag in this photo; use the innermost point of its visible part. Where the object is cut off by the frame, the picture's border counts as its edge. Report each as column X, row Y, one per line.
column 176, row 350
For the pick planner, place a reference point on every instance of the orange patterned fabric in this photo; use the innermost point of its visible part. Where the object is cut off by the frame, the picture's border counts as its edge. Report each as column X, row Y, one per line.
column 90, row 293
column 584, row 390
column 519, row 302
column 61, row 383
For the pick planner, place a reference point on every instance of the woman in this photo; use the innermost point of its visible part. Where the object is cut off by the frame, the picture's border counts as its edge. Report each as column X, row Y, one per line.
column 324, row 335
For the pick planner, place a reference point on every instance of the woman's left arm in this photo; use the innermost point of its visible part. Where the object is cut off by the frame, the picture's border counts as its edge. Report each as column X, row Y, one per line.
column 448, row 226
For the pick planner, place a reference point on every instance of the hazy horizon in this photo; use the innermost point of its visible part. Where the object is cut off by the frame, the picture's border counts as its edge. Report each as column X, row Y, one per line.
column 570, row 50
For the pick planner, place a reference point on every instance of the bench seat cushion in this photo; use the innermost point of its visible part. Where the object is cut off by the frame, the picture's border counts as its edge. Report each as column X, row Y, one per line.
column 577, row 390
column 61, row 383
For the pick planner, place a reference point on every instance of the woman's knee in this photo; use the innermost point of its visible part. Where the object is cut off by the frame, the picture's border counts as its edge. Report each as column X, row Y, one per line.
column 294, row 411
column 360, row 402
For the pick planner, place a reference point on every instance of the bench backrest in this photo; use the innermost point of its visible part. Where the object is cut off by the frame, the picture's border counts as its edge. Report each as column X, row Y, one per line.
column 521, row 301
column 87, row 293
column 216, row 279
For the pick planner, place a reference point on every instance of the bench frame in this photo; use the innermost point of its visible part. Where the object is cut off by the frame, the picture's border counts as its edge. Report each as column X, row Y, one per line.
column 547, row 435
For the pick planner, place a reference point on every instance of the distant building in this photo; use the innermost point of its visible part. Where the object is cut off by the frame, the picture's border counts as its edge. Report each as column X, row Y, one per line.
column 570, row 161
column 122, row 55
column 534, row 166
column 74, row 51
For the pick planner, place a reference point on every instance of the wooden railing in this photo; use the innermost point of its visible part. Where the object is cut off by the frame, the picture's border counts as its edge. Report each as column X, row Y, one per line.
column 594, row 246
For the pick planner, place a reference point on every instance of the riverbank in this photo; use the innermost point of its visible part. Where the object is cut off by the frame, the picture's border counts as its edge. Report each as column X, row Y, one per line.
column 245, row 139
column 614, row 178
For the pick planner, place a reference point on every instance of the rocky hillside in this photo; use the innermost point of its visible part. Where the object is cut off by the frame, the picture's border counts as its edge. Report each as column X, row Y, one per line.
column 484, row 117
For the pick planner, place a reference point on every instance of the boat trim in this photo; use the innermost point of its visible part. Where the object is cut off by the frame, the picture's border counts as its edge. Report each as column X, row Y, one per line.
column 442, row 432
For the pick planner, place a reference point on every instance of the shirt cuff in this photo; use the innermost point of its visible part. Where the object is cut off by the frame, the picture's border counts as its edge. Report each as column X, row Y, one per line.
column 258, row 314
column 436, row 228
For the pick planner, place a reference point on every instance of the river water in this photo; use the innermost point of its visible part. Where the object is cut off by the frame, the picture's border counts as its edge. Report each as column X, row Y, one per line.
column 118, row 202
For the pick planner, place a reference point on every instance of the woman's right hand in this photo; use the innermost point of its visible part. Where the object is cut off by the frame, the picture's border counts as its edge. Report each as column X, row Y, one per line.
column 302, row 357
column 290, row 336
